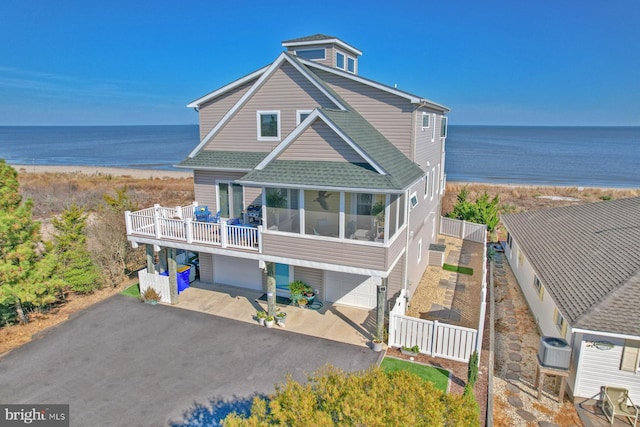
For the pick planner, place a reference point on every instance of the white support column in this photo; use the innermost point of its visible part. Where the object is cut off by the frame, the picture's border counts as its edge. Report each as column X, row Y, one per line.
column 259, row 239
column 127, row 221
column 156, row 225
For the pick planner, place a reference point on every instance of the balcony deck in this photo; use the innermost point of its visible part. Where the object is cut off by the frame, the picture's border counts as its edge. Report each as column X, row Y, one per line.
column 178, row 224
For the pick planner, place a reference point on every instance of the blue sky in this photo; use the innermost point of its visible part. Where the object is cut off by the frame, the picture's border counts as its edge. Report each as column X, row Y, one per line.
column 543, row 62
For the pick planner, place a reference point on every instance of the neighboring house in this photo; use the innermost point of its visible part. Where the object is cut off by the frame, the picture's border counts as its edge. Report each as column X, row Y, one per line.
column 579, row 270
column 341, row 176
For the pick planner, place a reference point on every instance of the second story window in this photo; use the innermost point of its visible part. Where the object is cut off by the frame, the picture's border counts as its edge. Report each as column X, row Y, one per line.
column 268, row 125
column 351, row 65
column 443, row 128
column 301, row 115
column 425, row 120
column 312, row 54
column 339, row 60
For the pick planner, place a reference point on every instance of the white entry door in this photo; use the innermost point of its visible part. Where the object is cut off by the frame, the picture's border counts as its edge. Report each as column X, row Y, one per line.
column 240, row 272
column 351, row 289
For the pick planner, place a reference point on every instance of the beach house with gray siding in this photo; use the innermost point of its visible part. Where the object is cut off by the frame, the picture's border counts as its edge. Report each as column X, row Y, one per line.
column 579, row 270
column 316, row 174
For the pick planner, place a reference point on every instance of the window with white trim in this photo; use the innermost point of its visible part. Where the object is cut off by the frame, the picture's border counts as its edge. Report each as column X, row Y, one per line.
column 268, row 125
column 560, row 323
column 351, row 65
column 301, row 115
column 413, row 200
column 538, row 285
column 340, row 60
column 426, row 185
column 437, row 179
column 419, row 251
column 433, row 182
column 443, row 127
column 426, row 120
column 630, row 356
column 311, row 54
column 433, row 129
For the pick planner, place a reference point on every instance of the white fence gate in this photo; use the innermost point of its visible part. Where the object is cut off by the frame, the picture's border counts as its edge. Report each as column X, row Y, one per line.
column 463, row 230
column 157, row 282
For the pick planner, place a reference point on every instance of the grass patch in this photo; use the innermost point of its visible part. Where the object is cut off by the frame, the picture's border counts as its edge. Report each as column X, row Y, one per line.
column 458, row 269
column 439, row 377
column 132, row 291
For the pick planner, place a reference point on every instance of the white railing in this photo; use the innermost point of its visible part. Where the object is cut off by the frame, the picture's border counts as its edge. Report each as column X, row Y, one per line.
column 463, row 229
column 178, row 224
column 157, row 282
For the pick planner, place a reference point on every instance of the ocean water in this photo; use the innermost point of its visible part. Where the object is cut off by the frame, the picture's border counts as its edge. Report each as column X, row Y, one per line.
column 574, row 156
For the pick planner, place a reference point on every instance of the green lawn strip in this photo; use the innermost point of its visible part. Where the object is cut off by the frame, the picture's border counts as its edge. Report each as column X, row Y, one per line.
column 458, row 269
column 439, row 377
column 132, row 291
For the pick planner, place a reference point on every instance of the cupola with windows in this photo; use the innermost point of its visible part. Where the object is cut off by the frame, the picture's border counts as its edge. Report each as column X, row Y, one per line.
column 326, row 50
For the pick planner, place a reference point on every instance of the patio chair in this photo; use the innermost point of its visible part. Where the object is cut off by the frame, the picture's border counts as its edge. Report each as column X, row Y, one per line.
column 202, row 213
column 616, row 401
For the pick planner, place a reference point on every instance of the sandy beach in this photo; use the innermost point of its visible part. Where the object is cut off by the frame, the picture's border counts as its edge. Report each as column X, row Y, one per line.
column 103, row 170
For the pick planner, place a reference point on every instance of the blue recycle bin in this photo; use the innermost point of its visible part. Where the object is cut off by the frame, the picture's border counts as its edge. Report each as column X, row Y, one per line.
column 183, row 278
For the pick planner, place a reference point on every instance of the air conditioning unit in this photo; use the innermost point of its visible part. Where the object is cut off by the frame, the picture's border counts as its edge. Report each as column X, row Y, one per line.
column 554, row 353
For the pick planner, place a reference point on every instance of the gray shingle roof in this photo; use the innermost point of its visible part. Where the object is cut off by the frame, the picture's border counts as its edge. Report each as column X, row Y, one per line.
column 312, row 38
column 588, row 259
column 223, row 160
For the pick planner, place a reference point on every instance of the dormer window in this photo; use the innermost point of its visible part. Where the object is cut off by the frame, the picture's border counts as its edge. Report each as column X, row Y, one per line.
column 311, row 54
column 349, row 65
column 425, row 120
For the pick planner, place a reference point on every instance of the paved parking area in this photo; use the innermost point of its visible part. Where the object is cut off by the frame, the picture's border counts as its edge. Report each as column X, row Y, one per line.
column 122, row 362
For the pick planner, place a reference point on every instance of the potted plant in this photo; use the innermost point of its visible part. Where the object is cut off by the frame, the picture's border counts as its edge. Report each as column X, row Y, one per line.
column 302, row 302
column 298, row 290
column 410, row 351
column 269, row 321
column 261, row 315
column 151, row 296
column 281, row 317
column 377, row 344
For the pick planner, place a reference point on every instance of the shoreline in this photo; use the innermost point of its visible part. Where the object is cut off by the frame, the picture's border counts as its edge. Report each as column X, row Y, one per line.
column 160, row 173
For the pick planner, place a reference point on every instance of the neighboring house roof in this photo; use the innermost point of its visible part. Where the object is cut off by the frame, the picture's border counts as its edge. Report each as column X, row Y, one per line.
column 241, row 161
column 588, row 259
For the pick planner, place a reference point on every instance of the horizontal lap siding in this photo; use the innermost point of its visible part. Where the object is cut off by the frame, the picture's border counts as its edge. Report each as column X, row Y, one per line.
column 388, row 113
column 602, row 367
column 252, row 196
column 395, row 282
column 212, row 112
column 421, row 221
column 287, row 91
column 324, row 251
column 319, row 142
column 427, row 151
column 312, row 277
column 206, row 267
column 396, row 248
column 205, row 186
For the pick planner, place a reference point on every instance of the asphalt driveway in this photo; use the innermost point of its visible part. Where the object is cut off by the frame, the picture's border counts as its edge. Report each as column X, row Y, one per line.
column 121, row 363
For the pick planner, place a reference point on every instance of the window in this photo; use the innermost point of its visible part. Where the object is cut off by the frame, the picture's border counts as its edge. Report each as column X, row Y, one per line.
column 433, row 182
column 230, row 200
column 414, row 200
column 426, row 185
column 425, row 120
column 630, row 356
column 509, row 239
column 560, row 323
column 437, row 180
column 538, row 286
column 443, row 127
column 419, row 250
column 312, row 54
column 339, row 60
column 520, row 258
column 301, row 115
column 351, row 65
column 433, row 129
column 268, row 125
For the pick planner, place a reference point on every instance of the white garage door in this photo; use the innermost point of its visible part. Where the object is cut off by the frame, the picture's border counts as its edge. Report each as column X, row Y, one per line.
column 351, row 289
column 240, row 272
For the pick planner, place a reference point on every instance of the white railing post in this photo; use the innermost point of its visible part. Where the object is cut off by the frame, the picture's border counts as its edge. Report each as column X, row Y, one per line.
column 464, row 225
column 434, row 336
column 188, row 230
column 223, row 233
column 127, row 222
column 156, row 225
column 179, row 212
column 259, row 239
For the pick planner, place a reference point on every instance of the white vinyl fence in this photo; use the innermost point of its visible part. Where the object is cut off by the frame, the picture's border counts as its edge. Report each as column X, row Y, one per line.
column 463, row 230
column 157, row 282
column 432, row 337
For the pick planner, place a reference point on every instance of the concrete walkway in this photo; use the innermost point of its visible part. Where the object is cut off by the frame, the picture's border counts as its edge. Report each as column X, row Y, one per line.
column 333, row 322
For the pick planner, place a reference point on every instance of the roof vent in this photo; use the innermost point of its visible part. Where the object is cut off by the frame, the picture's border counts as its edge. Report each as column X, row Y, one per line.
column 554, row 353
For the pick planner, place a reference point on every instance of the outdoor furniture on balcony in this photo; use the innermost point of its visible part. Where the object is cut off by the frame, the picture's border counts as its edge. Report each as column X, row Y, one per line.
column 616, row 401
